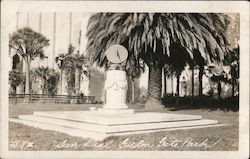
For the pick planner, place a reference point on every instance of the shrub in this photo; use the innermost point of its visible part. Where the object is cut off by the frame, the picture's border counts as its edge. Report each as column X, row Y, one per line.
column 230, row 103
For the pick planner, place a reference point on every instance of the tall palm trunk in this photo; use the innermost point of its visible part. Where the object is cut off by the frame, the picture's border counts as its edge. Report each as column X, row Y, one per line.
column 201, row 71
column 154, row 88
column 61, row 78
column 77, row 80
column 178, row 85
column 44, row 85
column 27, row 77
column 133, row 90
column 219, row 89
column 192, row 81
column 164, row 84
column 172, row 84
column 233, row 85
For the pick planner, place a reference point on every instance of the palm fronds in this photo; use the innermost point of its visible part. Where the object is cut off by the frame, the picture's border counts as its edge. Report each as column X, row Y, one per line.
column 149, row 35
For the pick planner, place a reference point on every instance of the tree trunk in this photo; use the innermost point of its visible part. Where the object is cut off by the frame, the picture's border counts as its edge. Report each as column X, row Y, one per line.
column 219, row 89
column 233, row 85
column 14, row 89
column 178, row 85
column 154, row 89
column 192, row 81
column 172, row 84
column 164, row 84
column 133, row 90
column 44, row 86
column 27, row 78
column 201, row 70
column 61, row 80
column 77, row 80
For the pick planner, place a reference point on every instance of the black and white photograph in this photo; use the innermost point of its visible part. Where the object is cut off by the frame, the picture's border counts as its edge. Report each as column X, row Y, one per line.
column 129, row 79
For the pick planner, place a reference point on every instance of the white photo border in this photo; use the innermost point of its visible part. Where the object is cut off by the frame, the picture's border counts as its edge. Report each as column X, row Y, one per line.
column 9, row 8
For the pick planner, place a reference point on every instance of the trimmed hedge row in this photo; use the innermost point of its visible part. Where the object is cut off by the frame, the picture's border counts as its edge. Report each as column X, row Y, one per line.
column 231, row 103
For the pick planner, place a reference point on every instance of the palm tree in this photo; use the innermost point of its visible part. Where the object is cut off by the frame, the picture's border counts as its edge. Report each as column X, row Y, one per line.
column 65, row 64
column 29, row 44
column 149, row 35
column 16, row 78
column 72, row 64
column 178, row 60
column 201, row 62
column 169, row 72
column 49, row 78
column 192, row 79
column 52, row 82
column 43, row 72
column 78, row 61
column 164, row 87
column 60, row 61
column 232, row 60
column 134, row 69
column 218, row 78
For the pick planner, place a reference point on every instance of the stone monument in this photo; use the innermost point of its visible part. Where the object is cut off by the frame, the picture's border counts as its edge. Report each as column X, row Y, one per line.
column 116, row 83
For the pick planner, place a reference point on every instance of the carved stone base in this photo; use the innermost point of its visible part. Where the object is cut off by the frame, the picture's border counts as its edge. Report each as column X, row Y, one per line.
column 116, row 90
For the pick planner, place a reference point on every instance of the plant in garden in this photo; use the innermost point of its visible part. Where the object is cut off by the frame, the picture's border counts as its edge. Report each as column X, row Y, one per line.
column 134, row 69
column 78, row 61
column 148, row 36
column 28, row 44
column 43, row 73
column 65, row 65
column 49, row 78
column 52, row 82
column 232, row 60
column 222, row 77
column 201, row 62
column 16, row 78
column 71, row 64
column 177, row 61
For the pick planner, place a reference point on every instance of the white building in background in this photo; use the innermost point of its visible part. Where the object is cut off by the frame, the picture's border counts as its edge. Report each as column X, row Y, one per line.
column 63, row 29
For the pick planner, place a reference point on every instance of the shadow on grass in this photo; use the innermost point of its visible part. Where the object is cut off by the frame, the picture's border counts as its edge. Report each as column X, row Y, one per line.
column 202, row 102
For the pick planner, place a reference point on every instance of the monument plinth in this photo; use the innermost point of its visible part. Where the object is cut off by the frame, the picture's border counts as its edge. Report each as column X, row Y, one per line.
column 116, row 93
column 116, row 90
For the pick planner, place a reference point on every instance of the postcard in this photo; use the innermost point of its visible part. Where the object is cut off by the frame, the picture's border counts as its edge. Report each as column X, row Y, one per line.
column 124, row 79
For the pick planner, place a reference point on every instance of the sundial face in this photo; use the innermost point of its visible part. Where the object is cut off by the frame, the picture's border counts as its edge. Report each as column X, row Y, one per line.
column 116, row 53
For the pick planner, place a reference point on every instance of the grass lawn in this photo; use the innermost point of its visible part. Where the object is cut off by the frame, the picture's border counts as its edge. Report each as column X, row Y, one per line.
column 223, row 138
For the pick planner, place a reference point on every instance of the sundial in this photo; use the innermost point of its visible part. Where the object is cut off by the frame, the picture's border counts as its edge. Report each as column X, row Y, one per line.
column 116, row 54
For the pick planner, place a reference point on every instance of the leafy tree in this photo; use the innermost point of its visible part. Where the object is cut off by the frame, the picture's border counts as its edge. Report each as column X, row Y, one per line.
column 232, row 60
column 134, row 69
column 43, row 72
column 169, row 72
column 71, row 64
column 29, row 44
column 50, row 79
column 178, row 60
column 149, row 36
column 78, row 61
column 218, row 79
column 16, row 78
column 192, row 66
column 201, row 62
column 65, row 65
column 52, row 82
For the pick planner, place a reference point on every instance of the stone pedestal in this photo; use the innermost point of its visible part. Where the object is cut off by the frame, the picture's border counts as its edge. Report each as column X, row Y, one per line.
column 116, row 91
